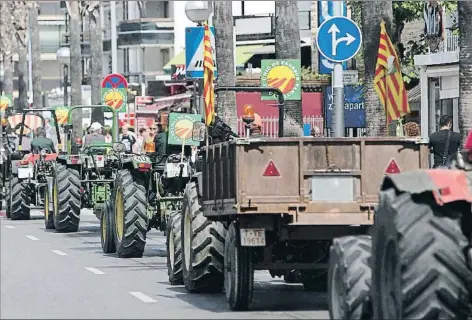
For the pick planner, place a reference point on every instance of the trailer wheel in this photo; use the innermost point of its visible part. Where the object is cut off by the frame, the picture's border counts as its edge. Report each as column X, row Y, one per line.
column 419, row 270
column 131, row 219
column 20, row 201
column 174, row 248
column 107, row 228
column 203, row 244
column 239, row 271
column 48, row 217
column 349, row 278
column 66, row 199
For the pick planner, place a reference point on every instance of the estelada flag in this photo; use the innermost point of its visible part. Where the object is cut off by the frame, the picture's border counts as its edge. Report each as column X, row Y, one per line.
column 388, row 79
column 208, row 77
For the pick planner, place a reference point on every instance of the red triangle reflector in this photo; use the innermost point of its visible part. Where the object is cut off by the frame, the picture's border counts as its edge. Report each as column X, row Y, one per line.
column 271, row 170
column 392, row 167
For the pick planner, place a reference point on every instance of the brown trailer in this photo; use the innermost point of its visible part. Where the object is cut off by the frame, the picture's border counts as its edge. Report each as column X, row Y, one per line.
column 277, row 204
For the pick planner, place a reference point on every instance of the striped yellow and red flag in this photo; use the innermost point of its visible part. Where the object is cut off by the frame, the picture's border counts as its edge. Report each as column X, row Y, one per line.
column 388, row 79
column 208, row 77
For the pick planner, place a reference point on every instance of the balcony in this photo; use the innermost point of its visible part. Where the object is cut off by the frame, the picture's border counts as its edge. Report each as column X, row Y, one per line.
column 450, row 42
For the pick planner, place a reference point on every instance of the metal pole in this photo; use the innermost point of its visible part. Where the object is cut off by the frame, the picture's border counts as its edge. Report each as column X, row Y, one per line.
column 30, row 61
column 114, row 44
column 65, row 70
column 337, row 126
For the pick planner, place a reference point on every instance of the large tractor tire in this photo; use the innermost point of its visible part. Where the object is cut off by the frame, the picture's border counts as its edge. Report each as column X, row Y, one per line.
column 174, row 248
column 419, row 269
column 48, row 213
column 66, row 199
column 20, row 200
column 239, row 271
column 203, row 243
column 107, row 228
column 130, row 216
column 349, row 278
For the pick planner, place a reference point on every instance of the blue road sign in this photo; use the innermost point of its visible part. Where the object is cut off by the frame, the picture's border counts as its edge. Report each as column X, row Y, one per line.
column 354, row 109
column 339, row 39
column 194, row 51
column 325, row 12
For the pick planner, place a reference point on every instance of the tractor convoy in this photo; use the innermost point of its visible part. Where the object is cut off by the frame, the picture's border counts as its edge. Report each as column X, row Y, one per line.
column 289, row 205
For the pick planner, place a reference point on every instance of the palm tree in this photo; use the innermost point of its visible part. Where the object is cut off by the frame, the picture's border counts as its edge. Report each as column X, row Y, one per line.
column 223, row 21
column 75, row 65
column 35, row 54
column 372, row 14
column 20, row 16
column 287, row 46
column 96, row 52
column 6, row 45
column 465, row 68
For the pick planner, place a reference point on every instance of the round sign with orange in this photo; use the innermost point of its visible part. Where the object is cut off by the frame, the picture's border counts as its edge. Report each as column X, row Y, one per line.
column 283, row 75
column 114, row 98
column 62, row 114
column 5, row 102
column 183, row 129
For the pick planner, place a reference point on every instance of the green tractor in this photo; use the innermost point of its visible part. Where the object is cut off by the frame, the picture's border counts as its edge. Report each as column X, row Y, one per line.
column 85, row 179
column 145, row 200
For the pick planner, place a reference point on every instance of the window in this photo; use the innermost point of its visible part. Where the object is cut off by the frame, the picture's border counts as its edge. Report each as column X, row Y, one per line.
column 51, row 8
column 50, row 37
column 304, row 18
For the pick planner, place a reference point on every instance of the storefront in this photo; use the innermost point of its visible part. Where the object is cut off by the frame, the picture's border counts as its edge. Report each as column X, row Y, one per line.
column 438, row 71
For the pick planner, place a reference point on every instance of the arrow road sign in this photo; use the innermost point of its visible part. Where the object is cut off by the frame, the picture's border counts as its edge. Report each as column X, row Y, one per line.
column 339, row 39
column 194, row 51
column 325, row 12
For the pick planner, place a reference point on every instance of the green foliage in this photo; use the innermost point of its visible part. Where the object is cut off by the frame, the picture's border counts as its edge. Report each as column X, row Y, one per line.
column 307, row 74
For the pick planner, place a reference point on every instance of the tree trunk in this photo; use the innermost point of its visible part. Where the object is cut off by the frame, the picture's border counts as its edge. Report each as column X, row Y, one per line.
column 224, row 42
column 36, row 56
column 314, row 29
column 20, row 13
column 96, row 72
column 465, row 67
column 6, row 46
column 287, row 46
column 372, row 14
column 75, row 66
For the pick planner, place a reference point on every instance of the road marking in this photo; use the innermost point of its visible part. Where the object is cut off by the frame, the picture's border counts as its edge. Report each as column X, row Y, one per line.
column 141, row 296
column 59, row 252
column 32, row 238
column 94, row 270
column 10, row 227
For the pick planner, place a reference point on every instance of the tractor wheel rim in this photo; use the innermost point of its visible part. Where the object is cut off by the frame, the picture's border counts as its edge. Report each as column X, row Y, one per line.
column 55, row 198
column 119, row 214
column 46, row 206
column 187, row 237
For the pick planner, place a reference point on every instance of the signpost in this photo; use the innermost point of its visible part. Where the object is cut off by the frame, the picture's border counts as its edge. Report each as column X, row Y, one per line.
column 194, row 51
column 338, row 39
column 115, row 92
column 325, row 12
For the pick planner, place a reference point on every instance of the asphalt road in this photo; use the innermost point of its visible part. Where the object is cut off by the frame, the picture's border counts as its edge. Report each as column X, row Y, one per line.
column 46, row 275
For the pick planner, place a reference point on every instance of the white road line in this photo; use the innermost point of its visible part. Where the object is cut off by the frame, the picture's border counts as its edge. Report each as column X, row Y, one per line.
column 59, row 252
column 94, row 270
column 141, row 296
column 10, row 227
column 32, row 238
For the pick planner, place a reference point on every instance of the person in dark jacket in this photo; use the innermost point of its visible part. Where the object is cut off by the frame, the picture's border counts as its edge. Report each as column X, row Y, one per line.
column 160, row 142
column 41, row 142
column 445, row 143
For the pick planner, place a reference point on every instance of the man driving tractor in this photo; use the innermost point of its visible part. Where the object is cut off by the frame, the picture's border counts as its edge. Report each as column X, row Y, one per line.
column 40, row 141
column 95, row 135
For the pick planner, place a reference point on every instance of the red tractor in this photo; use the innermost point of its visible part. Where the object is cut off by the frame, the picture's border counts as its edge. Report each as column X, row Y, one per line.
column 417, row 261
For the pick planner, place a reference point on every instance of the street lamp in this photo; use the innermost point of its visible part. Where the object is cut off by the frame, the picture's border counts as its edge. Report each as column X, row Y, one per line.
column 63, row 57
column 198, row 11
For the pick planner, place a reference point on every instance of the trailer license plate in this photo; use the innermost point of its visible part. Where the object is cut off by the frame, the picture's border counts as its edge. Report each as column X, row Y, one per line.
column 252, row 237
column 24, row 173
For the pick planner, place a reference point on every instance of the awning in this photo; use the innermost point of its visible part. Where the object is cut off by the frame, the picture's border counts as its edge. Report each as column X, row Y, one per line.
column 243, row 54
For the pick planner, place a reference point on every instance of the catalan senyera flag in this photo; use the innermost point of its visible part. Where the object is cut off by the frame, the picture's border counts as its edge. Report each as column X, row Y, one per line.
column 388, row 79
column 208, row 76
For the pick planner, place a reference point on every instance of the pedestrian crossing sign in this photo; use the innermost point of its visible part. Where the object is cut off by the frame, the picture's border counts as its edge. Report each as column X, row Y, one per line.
column 194, row 51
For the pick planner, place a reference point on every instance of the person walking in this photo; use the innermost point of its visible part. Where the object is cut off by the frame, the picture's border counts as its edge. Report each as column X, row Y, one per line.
column 444, row 144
